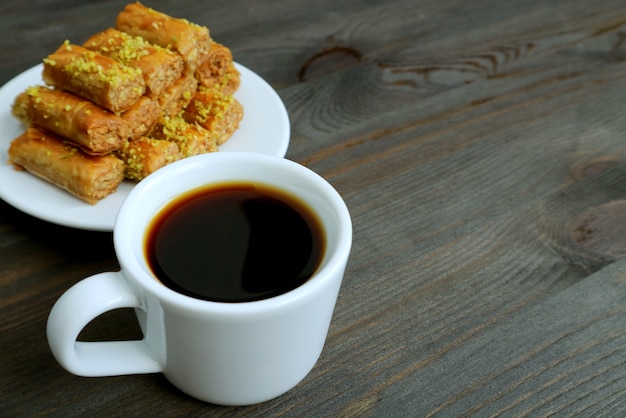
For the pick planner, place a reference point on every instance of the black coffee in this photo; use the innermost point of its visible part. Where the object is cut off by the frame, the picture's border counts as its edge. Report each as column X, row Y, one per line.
column 234, row 242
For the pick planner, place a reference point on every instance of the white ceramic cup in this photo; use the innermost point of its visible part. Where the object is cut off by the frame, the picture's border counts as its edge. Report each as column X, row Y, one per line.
column 224, row 353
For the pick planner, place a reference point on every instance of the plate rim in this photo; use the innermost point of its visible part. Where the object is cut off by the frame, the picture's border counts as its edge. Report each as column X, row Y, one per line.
column 35, row 208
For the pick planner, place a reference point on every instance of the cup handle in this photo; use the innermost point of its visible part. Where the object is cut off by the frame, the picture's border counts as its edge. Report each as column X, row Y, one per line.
column 80, row 304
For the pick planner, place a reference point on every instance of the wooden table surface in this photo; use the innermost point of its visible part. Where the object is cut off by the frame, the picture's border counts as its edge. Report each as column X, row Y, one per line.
column 481, row 149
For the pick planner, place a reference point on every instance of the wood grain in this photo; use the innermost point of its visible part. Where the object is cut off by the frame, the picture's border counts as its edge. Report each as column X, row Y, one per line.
column 480, row 147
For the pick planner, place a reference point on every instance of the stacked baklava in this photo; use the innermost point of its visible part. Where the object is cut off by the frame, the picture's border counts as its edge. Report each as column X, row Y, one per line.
column 126, row 102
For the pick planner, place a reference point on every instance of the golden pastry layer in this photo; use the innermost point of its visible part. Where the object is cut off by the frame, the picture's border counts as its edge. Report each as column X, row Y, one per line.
column 93, row 76
column 93, row 128
column 160, row 67
column 215, row 111
column 218, row 70
column 46, row 155
column 191, row 41
column 145, row 155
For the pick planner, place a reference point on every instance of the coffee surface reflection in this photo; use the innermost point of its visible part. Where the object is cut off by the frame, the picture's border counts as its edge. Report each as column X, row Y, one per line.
column 234, row 242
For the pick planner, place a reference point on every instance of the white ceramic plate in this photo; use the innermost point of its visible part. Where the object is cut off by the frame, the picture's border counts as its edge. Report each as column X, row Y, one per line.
column 264, row 129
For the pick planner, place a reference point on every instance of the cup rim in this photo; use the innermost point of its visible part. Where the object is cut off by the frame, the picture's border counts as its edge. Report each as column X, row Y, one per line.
column 140, row 273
